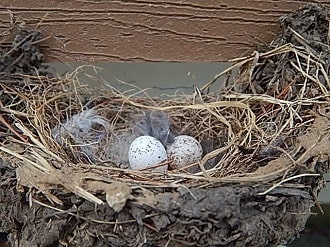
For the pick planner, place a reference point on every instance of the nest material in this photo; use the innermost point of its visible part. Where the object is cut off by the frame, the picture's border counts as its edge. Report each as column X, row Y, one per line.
column 265, row 133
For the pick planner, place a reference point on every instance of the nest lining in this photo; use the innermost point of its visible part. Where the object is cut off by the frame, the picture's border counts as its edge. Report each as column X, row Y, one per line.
column 267, row 126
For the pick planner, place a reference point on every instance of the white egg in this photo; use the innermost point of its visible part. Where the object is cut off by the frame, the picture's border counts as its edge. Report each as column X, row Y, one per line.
column 185, row 150
column 147, row 151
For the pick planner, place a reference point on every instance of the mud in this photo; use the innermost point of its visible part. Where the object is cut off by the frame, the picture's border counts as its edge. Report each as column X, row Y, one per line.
column 22, row 55
column 219, row 216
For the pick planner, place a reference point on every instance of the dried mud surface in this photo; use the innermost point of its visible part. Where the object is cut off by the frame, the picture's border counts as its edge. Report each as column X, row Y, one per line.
column 213, row 216
column 219, row 216
column 22, row 55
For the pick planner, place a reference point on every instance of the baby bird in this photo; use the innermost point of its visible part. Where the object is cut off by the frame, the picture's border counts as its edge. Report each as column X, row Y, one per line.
column 156, row 124
column 85, row 130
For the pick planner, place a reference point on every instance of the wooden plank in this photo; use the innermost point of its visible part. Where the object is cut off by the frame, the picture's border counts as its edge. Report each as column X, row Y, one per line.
column 150, row 30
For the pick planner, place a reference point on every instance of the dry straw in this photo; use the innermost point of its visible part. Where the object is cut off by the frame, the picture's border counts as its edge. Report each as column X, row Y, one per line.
column 247, row 131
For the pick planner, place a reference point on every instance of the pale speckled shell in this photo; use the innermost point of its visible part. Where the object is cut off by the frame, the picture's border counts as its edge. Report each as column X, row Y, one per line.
column 185, row 150
column 147, row 151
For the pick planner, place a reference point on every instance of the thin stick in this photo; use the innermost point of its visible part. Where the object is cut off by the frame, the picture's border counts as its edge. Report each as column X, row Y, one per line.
column 286, row 180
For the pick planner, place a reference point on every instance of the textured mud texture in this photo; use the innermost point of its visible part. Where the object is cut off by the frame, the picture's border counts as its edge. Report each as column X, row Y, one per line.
column 312, row 23
column 217, row 215
column 22, row 55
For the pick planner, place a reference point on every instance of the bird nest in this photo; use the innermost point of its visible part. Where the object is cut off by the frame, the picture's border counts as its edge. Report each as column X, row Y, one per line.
column 264, row 131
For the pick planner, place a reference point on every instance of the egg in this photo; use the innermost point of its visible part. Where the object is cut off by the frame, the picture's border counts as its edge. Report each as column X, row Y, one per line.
column 185, row 150
column 147, row 151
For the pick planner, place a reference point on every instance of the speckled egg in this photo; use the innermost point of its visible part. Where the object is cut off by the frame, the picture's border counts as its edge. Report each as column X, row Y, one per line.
column 185, row 150
column 147, row 151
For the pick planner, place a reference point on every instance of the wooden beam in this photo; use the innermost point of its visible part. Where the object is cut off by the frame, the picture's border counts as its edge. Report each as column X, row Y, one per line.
column 150, row 30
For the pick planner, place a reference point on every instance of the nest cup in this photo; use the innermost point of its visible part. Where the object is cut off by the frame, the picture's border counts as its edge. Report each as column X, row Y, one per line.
column 264, row 133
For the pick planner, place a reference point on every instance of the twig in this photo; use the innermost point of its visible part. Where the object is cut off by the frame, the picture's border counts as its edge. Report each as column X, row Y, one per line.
column 286, row 180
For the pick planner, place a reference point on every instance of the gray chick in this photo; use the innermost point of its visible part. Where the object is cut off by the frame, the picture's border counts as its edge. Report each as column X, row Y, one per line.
column 156, row 124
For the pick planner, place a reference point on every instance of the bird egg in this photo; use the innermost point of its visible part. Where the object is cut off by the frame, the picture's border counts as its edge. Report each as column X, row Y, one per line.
column 185, row 150
column 147, row 151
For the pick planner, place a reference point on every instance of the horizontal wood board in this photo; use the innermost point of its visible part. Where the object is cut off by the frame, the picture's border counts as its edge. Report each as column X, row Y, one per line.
column 150, row 30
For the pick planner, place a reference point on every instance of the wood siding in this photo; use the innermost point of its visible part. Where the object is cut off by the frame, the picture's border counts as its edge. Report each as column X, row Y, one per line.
column 150, row 30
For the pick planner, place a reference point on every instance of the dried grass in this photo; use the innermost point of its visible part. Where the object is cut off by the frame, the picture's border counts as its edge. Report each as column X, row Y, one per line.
column 249, row 124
